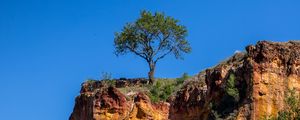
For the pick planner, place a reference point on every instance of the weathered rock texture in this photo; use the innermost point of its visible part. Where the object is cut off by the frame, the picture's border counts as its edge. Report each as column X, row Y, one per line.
column 100, row 102
column 262, row 77
column 276, row 69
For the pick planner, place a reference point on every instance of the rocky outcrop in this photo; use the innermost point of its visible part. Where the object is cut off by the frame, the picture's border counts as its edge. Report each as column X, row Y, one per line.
column 250, row 85
column 276, row 69
column 143, row 109
column 206, row 97
column 100, row 102
column 262, row 76
column 189, row 103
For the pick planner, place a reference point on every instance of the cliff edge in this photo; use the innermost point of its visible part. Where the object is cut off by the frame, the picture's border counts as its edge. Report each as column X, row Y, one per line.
column 250, row 85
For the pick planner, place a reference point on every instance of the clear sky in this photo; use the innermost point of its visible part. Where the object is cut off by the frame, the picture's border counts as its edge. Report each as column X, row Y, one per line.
column 49, row 47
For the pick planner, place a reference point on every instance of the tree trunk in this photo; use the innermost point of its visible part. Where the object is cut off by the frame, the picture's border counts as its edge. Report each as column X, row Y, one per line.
column 151, row 72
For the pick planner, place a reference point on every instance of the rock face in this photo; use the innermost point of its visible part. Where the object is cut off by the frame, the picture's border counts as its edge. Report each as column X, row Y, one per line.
column 247, row 86
column 276, row 69
column 100, row 102
column 262, row 77
column 143, row 109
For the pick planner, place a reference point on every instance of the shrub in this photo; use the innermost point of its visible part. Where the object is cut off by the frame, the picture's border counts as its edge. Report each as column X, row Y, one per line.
column 283, row 115
column 162, row 89
column 182, row 78
column 154, row 95
column 231, row 90
column 293, row 111
column 229, row 102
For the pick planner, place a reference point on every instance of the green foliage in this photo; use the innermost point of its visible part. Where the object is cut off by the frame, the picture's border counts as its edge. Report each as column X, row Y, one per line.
column 161, row 90
column 292, row 100
column 231, row 90
column 225, row 108
column 293, row 111
column 283, row 115
column 154, row 93
column 182, row 78
column 152, row 37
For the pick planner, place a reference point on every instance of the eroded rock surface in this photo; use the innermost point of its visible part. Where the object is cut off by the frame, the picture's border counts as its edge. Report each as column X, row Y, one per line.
column 276, row 69
column 100, row 102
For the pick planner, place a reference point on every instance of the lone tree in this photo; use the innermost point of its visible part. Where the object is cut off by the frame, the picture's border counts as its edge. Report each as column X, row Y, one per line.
column 152, row 37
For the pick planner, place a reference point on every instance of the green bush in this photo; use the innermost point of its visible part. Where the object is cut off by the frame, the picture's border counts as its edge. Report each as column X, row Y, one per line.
column 162, row 89
column 293, row 111
column 182, row 78
column 231, row 90
column 283, row 115
column 154, row 95
column 157, row 92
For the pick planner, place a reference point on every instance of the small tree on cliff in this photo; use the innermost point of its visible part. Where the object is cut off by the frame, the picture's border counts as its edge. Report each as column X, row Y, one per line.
column 152, row 37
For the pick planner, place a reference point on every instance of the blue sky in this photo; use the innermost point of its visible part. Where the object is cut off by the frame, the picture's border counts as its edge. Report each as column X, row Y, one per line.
column 49, row 47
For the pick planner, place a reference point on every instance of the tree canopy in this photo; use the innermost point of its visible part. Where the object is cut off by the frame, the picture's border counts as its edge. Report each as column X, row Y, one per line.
column 152, row 37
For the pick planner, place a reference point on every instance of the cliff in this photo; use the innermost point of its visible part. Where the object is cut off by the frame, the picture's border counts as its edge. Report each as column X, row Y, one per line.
column 248, row 86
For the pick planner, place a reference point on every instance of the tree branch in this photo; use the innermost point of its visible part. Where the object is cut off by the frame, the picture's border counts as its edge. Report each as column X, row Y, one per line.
column 161, row 43
column 163, row 55
column 137, row 53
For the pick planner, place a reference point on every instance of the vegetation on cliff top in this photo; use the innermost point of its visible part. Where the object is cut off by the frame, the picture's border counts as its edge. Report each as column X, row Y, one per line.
column 164, row 88
column 161, row 90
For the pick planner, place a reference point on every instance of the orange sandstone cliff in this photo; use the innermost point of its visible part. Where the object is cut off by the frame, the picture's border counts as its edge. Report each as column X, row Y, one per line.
column 98, row 101
column 248, row 86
